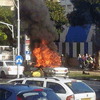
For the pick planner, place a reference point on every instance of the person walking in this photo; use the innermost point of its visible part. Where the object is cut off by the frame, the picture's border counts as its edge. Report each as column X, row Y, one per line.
column 62, row 59
column 84, row 59
column 80, row 61
column 86, row 56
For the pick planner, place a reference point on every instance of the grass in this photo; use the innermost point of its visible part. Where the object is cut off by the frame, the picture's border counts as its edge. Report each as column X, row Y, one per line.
column 79, row 74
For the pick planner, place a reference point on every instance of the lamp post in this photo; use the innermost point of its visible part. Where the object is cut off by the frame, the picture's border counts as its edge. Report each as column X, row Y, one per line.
column 18, row 30
column 10, row 26
column 18, row 19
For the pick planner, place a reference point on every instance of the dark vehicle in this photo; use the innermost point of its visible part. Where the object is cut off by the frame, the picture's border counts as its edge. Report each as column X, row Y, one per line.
column 24, row 92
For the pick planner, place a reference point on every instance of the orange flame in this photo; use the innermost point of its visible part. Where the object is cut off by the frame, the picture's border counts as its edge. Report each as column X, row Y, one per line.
column 46, row 57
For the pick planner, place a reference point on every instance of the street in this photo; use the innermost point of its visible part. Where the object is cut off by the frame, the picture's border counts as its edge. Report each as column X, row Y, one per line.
column 95, row 85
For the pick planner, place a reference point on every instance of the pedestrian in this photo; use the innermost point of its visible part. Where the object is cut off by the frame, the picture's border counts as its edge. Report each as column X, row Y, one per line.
column 90, row 62
column 63, row 59
column 88, row 59
column 80, row 61
column 94, row 63
column 84, row 59
column 86, row 56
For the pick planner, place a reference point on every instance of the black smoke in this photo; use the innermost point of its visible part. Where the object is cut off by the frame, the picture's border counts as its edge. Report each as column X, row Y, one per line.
column 35, row 22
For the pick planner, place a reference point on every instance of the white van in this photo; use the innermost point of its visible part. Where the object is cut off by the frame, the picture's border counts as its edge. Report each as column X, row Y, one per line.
column 9, row 68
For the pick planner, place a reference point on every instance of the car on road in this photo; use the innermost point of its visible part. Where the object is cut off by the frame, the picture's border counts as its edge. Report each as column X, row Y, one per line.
column 57, row 71
column 24, row 92
column 8, row 68
column 65, row 88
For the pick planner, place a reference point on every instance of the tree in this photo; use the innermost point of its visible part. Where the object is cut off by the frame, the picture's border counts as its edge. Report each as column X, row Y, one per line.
column 87, row 12
column 3, row 38
column 57, row 14
column 6, row 15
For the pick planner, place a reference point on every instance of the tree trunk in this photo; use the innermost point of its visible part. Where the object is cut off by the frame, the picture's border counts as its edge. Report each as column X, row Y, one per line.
column 97, row 56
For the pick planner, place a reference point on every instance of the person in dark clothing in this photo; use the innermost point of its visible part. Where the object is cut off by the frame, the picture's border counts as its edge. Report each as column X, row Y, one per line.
column 80, row 61
column 84, row 59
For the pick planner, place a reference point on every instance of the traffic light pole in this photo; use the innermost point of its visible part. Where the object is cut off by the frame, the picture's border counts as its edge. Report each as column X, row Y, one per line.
column 18, row 30
column 18, row 27
column 18, row 34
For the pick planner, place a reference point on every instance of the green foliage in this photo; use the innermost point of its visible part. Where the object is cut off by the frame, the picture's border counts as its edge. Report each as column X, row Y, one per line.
column 94, row 1
column 86, row 12
column 57, row 14
column 3, row 38
column 6, row 15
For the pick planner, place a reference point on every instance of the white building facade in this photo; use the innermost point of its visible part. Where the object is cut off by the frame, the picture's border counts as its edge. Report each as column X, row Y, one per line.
column 7, row 3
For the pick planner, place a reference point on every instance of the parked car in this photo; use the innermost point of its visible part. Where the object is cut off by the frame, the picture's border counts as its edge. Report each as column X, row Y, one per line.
column 24, row 92
column 57, row 71
column 9, row 68
column 65, row 88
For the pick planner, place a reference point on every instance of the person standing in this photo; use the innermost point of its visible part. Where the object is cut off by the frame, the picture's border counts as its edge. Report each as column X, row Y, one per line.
column 84, row 59
column 63, row 59
column 86, row 56
column 80, row 61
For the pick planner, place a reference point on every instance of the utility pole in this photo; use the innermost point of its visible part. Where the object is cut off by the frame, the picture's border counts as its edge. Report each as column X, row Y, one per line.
column 18, row 27
column 18, row 33
column 18, row 30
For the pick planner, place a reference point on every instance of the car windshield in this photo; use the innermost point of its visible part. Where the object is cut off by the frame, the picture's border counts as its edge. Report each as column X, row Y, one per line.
column 10, row 63
column 79, row 87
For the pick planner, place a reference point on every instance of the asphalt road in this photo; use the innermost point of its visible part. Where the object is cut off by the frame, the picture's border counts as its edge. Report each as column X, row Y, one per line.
column 95, row 85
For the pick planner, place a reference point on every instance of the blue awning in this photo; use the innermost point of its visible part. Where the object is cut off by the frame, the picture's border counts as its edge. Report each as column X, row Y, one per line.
column 78, row 33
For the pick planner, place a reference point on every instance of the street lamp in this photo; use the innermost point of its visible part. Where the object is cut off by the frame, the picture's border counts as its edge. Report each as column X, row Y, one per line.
column 18, row 30
column 10, row 26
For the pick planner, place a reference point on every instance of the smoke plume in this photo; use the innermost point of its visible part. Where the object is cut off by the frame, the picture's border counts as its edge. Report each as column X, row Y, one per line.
column 35, row 21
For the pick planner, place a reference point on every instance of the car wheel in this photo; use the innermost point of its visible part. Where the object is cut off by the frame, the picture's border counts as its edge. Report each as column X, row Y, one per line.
column 3, row 74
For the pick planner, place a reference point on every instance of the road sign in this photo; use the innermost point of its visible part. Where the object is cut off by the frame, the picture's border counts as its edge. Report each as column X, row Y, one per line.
column 28, row 52
column 28, row 57
column 19, row 60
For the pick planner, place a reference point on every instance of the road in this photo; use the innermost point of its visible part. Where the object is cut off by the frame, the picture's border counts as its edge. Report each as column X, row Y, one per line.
column 95, row 85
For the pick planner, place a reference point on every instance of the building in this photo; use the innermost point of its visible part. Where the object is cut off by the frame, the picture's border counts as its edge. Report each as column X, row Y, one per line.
column 75, row 40
column 68, row 6
column 7, row 3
